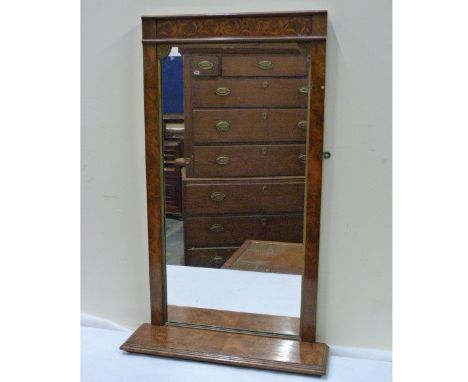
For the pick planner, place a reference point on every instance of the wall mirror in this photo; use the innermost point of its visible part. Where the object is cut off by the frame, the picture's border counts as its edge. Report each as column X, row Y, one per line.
column 234, row 131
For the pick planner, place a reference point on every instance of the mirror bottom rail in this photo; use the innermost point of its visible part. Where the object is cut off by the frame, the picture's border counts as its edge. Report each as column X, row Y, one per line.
column 229, row 348
column 253, row 323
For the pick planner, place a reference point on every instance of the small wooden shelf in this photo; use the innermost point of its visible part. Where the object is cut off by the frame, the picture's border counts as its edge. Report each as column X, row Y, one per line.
column 229, row 348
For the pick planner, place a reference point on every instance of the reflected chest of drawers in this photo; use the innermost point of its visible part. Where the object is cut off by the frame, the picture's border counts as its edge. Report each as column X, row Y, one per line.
column 245, row 144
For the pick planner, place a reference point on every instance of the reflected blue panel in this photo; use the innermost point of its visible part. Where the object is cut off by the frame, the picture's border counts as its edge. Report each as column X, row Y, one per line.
column 172, row 85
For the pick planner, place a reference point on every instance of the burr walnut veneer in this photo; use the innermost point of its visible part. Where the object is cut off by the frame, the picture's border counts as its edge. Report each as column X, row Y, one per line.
column 290, row 92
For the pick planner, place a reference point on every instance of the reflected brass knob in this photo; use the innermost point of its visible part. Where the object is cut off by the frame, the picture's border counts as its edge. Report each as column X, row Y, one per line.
column 302, row 158
column 222, row 159
column 222, row 91
column 264, row 64
column 302, row 125
column 217, row 196
column 217, row 228
column 222, row 126
column 217, row 260
column 205, row 65
column 304, row 90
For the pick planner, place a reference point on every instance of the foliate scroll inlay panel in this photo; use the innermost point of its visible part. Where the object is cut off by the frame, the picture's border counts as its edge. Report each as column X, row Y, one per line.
column 238, row 27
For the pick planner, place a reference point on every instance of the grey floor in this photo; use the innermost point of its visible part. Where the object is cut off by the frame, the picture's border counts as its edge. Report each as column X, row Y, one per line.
column 174, row 242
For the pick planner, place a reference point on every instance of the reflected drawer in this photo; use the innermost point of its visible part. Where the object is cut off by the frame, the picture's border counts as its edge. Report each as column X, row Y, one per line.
column 234, row 230
column 248, row 160
column 249, row 196
column 254, row 65
column 204, row 65
column 249, row 92
column 208, row 257
column 249, row 125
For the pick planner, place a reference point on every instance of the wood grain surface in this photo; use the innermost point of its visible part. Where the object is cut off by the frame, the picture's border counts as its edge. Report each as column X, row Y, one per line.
column 262, row 196
column 234, row 230
column 249, row 160
column 268, row 256
column 248, row 66
column 154, row 183
column 249, row 125
column 249, row 92
column 213, row 257
column 261, row 323
column 229, row 348
column 313, row 194
column 307, row 29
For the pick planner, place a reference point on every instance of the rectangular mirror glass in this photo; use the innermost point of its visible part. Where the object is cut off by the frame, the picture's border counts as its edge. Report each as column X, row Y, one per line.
column 234, row 129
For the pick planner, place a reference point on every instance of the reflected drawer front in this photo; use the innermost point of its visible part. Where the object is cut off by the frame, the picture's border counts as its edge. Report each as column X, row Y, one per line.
column 204, row 65
column 264, row 65
column 246, row 92
column 243, row 197
column 234, row 230
column 248, row 160
column 249, row 125
column 208, row 257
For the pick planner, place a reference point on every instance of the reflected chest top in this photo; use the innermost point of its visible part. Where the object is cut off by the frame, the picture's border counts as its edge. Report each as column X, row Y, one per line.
column 268, row 256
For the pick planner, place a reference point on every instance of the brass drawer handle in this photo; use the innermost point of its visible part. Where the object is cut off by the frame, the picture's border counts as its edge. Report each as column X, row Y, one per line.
column 222, row 91
column 217, row 260
column 264, row 64
column 222, row 159
column 302, row 158
column 217, row 228
column 222, row 126
column 217, row 196
column 302, row 125
column 304, row 90
column 205, row 65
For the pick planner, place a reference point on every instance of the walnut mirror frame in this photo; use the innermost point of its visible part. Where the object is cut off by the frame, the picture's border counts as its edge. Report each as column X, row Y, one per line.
column 299, row 354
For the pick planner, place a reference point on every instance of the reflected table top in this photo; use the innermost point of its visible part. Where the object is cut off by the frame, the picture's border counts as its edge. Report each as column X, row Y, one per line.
column 268, row 256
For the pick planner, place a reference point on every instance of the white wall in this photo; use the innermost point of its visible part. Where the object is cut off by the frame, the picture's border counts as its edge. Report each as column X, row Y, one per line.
column 355, row 267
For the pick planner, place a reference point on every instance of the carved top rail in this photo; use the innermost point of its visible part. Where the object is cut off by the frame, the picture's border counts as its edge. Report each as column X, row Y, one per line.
column 291, row 26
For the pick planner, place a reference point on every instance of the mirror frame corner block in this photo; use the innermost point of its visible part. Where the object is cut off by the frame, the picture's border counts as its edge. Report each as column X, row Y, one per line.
column 302, row 355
